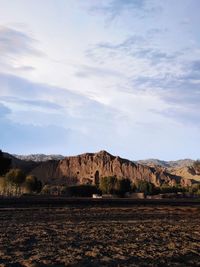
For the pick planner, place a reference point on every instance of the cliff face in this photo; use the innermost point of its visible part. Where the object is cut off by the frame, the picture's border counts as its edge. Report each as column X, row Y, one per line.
column 89, row 168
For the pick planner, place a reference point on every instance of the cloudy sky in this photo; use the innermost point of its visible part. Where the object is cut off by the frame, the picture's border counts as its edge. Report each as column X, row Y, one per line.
column 81, row 76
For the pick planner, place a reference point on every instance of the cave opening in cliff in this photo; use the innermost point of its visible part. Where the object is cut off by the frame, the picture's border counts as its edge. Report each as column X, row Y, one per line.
column 96, row 178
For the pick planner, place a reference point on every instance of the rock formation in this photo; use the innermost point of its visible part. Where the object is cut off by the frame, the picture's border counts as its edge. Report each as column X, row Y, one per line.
column 90, row 167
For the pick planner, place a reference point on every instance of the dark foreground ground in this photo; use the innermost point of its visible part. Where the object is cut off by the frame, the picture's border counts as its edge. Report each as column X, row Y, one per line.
column 137, row 235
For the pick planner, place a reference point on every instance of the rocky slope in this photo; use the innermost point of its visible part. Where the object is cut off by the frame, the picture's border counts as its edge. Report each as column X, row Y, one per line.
column 187, row 173
column 167, row 164
column 90, row 167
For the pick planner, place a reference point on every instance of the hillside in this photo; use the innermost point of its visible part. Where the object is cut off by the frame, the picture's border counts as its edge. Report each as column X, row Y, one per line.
column 90, row 167
column 25, row 165
column 167, row 164
column 187, row 173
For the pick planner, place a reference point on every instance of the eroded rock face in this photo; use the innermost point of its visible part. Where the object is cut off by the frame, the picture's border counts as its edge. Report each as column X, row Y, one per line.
column 90, row 167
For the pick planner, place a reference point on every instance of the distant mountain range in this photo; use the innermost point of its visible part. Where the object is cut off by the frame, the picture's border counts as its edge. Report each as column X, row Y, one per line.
column 167, row 164
column 149, row 162
column 39, row 157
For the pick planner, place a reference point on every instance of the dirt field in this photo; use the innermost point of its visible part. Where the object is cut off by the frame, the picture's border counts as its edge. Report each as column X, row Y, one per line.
column 100, row 236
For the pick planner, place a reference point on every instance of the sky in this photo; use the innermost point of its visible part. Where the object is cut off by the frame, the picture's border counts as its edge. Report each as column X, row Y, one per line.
column 83, row 76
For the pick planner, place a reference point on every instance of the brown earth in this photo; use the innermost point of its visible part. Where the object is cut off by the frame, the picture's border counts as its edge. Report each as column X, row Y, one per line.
column 100, row 236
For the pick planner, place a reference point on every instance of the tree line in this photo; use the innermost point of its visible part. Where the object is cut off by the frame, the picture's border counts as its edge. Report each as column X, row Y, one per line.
column 14, row 181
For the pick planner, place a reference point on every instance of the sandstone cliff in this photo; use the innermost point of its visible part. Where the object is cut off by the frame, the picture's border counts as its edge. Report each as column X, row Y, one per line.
column 90, row 167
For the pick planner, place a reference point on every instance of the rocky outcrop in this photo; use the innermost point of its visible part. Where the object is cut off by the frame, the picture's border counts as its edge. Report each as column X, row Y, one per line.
column 90, row 167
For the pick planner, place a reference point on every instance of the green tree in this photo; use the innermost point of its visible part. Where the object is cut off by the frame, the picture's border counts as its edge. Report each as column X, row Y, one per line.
column 145, row 187
column 194, row 189
column 112, row 185
column 107, row 184
column 122, row 186
column 165, row 188
column 3, row 186
column 16, row 178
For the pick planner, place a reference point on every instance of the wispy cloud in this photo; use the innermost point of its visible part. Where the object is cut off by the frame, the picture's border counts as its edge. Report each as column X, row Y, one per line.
column 13, row 41
column 170, row 75
column 135, row 46
column 15, row 44
column 40, row 104
column 114, row 8
column 85, row 71
column 70, row 109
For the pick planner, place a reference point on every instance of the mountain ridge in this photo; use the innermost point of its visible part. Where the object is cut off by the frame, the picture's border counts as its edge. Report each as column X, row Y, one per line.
column 40, row 157
column 167, row 164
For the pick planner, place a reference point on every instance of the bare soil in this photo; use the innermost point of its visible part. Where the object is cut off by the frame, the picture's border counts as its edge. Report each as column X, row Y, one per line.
column 100, row 236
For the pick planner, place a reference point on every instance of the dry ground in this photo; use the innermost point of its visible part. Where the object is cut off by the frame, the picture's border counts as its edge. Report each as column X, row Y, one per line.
column 100, row 236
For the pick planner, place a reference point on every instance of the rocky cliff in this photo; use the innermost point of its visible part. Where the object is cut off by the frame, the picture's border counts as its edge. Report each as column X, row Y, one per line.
column 90, row 167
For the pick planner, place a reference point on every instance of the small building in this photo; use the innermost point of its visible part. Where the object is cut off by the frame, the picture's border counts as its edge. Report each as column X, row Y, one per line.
column 96, row 196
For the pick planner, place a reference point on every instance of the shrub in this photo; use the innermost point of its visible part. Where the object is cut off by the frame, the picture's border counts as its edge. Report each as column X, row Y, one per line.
column 165, row 188
column 32, row 184
column 122, row 186
column 107, row 184
column 145, row 187
column 112, row 185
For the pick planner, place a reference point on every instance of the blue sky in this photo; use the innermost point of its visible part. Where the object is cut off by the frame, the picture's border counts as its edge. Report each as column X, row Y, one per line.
column 81, row 76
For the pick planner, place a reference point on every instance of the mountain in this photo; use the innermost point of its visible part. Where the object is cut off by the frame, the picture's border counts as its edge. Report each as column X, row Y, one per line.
column 148, row 162
column 38, row 157
column 167, row 164
column 90, row 167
